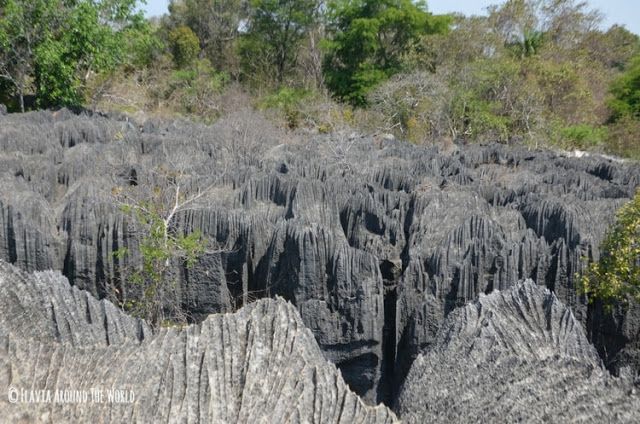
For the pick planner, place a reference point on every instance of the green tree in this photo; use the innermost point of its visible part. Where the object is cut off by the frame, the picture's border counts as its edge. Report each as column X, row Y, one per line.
column 275, row 31
column 514, row 19
column 626, row 92
column 87, row 40
column 184, row 45
column 529, row 45
column 142, row 43
column 289, row 102
column 217, row 24
column 161, row 246
column 54, row 46
column 616, row 276
column 23, row 26
column 369, row 39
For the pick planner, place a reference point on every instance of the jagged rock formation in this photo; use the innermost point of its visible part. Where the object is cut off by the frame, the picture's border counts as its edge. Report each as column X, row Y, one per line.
column 257, row 365
column 514, row 356
column 374, row 242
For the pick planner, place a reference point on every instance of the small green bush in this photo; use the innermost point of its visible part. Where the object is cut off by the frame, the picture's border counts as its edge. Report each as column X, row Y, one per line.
column 583, row 136
column 287, row 101
column 196, row 90
column 184, row 45
column 623, row 137
column 616, row 276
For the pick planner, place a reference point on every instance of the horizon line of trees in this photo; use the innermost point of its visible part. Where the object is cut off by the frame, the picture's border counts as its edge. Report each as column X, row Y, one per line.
column 539, row 71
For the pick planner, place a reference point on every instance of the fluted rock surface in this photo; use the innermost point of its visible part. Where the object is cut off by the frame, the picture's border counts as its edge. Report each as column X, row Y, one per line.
column 257, row 365
column 375, row 242
column 517, row 355
column 44, row 307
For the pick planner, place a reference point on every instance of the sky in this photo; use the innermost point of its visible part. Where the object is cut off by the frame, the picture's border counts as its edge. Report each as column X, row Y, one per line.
column 624, row 12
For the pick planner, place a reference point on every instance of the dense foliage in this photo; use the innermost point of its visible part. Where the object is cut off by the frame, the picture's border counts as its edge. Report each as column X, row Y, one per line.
column 539, row 72
column 52, row 47
column 184, row 45
column 274, row 32
column 626, row 92
column 616, row 276
column 369, row 40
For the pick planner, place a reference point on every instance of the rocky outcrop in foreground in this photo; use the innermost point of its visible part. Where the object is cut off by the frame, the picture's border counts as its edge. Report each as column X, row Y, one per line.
column 517, row 355
column 514, row 356
column 257, row 365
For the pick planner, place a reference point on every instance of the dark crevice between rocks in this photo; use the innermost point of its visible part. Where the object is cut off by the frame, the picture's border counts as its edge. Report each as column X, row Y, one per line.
column 233, row 275
column 604, row 171
column 490, row 280
column 101, row 287
column 452, row 300
column 405, row 353
column 359, row 371
column 605, row 329
column 404, row 255
column 344, row 223
column 11, row 235
column 68, row 267
column 373, row 224
column 391, row 272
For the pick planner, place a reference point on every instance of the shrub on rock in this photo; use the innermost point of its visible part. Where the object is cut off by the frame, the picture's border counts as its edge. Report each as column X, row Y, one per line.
column 616, row 276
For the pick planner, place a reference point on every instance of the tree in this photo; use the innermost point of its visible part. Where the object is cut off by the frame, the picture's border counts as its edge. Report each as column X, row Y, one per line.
column 88, row 40
column 160, row 247
column 154, row 201
column 275, row 31
column 197, row 89
column 626, row 92
column 568, row 22
column 469, row 39
column 613, row 48
column 616, row 276
column 141, row 43
column 514, row 19
column 54, row 46
column 217, row 24
column 184, row 45
column 415, row 106
column 529, row 45
column 23, row 26
column 564, row 23
column 369, row 40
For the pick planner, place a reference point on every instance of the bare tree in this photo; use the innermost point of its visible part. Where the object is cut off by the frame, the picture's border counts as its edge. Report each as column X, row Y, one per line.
column 18, row 38
column 154, row 198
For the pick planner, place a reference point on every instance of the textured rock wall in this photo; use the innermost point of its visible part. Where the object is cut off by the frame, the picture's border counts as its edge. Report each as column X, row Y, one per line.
column 514, row 356
column 375, row 243
column 257, row 365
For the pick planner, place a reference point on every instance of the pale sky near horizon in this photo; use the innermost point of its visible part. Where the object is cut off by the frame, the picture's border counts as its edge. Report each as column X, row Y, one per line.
column 622, row 12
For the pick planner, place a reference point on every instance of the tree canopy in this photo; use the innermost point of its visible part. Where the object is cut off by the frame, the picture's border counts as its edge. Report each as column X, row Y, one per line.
column 626, row 92
column 55, row 45
column 275, row 30
column 538, row 72
column 369, row 39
